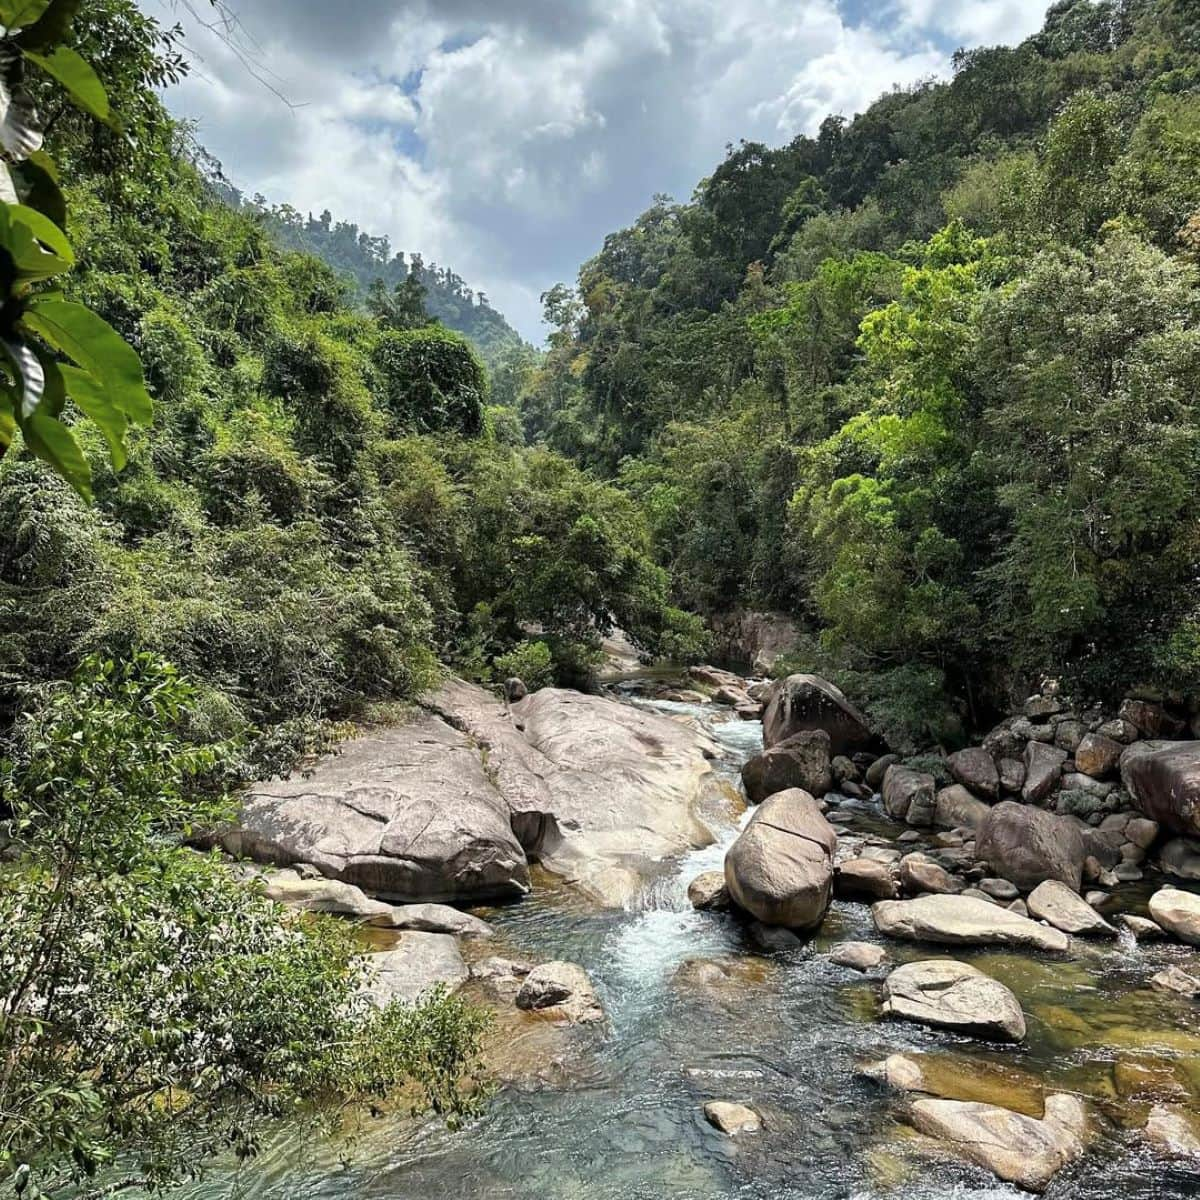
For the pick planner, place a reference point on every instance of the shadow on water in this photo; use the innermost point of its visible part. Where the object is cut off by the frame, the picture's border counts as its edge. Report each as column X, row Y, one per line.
column 783, row 1034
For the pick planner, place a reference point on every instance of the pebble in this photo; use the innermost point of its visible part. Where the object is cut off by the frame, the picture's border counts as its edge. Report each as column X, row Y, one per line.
column 999, row 889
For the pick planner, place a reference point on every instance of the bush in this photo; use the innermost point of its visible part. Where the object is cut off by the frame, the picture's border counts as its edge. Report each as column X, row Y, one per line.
column 158, row 1010
column 531, row 662
column 432, row 381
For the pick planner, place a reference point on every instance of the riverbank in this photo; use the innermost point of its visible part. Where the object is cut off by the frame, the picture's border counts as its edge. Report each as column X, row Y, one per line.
column 696, row 1010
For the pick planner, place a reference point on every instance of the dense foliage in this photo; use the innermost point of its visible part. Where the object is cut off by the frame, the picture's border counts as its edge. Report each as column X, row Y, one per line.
column 364, row 260
column 928, row 380
column 326, row 495
column 157, row 1010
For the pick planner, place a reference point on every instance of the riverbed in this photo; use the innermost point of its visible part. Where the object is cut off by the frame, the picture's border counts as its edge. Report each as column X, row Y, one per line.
column 618, row 1114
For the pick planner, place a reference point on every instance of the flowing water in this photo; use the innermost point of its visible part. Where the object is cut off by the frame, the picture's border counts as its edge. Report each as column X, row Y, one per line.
column 617, row 1115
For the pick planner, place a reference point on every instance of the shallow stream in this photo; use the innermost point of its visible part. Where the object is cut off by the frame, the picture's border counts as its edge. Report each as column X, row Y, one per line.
column 618, row 1115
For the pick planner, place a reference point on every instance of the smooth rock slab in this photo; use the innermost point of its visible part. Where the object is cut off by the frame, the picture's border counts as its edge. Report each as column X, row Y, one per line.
column 326, row 896
column 1056, row 904
column 953, row 995
column 439, row 918
column 1173, row 1130
column 963, row 921
column 731, row 1118
column 407, row 813
column 1177, row 912
column 1017, row 1148
column 419, row 962
column 1174, row 979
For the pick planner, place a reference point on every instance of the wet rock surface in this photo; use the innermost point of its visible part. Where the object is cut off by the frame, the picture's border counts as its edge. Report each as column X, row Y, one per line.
column 953, row 995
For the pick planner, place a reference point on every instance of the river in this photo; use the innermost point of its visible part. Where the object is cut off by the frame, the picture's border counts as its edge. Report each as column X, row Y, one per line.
column 621, row 1118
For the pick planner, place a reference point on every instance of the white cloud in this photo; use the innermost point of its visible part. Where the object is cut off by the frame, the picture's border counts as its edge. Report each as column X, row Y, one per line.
column 505, row 138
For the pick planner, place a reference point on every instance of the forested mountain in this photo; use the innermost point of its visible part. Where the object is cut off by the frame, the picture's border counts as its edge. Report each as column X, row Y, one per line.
column 364, row 259
column 326, row 504
column 927, row 380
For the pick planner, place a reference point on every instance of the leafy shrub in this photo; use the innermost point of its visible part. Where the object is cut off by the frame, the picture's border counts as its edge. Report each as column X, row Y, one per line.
column 213, row 1014
column 531, row 662
column 432, row 381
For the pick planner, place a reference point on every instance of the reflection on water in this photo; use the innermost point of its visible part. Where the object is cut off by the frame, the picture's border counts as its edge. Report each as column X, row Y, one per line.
column 783, row 1035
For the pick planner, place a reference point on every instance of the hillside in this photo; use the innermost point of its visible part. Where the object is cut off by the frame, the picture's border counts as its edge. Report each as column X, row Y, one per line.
column 363, row 259
column 927, row 381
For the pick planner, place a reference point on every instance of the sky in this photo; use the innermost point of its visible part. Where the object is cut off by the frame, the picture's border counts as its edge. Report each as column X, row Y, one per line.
column 506, row 138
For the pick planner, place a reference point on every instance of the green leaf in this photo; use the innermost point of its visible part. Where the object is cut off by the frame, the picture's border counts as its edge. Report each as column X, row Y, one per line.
column 77, row 77
column 97, row 347
column 19, row 14
column 44, row 229
column 29, row 374
column 37, row 184
column 55, row 444
column 94, row 404
column 18, row 225
column 8, row 419
column 52, row 27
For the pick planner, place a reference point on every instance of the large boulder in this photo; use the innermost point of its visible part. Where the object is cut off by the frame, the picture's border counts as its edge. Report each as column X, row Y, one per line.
column 956, row 808
column 976, row 770
column 1043, row 769
column 802, row 761
column 908, row 795
column 1178, row 912
column 1017, row 1148
column 953, row 995
column 1164, row 780
column 407, row 813
column 1150, row 719
column 1055, row 903
column 963, row 921
column 802, row 702
column 780, row 869
column 1029, row 845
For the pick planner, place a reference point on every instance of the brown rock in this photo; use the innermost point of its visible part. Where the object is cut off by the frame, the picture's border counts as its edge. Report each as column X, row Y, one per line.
column 802, row 702
column 1043, row 769
column 920, row 874
column 802, row 761
column 708, row 892
column 1164, row 780
column 865, row 878
column 1150, row 719
column 976, row 770
column 1029, row 845
column 1098, row 756
column 953, row 995
column 956, row 808
column 780, row 869
column 904, row 789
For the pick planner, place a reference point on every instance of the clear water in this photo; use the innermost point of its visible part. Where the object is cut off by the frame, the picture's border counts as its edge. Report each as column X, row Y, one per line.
column 621, row 1116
